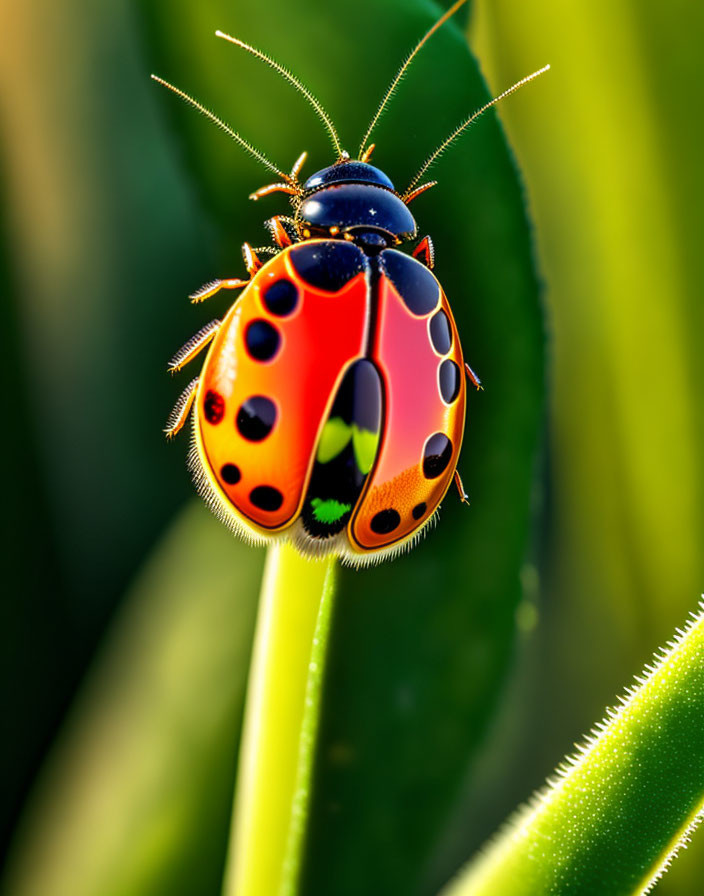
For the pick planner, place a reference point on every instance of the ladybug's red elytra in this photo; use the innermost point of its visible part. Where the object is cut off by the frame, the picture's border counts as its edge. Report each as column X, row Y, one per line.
column 330, row 408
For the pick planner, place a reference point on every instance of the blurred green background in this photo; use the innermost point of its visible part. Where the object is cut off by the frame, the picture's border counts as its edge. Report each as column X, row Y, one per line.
column 460, row 675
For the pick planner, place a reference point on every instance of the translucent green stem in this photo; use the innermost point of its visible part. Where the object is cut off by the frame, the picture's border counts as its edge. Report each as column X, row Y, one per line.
column 280, row 725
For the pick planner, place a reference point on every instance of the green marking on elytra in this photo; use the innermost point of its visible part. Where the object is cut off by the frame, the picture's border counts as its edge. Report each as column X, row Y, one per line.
column 365, row 444
column 329, row 510
column 336, row 434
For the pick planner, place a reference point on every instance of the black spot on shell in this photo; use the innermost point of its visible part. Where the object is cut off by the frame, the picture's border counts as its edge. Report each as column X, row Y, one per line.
column 419, row 510
column 262, row 340
column 230, row 473
column 213, row 406
column 441, row 332
column 415, row 284
column 385, row 521
column 436, row 455
column 328, row 265
column 449, row 379
column 256, row 417
column 266, row 497
column 281, row 298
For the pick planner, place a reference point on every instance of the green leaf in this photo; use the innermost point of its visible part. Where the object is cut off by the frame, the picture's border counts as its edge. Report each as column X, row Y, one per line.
column 136, row 798
column 420, row 646
column 622, row 806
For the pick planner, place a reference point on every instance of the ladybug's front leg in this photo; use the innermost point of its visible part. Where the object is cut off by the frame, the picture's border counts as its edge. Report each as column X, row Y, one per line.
column 425, row 252
column 252, row 263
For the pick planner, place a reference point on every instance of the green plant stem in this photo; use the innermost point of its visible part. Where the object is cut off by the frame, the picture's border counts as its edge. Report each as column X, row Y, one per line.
column 307, row 741
column 280, row 725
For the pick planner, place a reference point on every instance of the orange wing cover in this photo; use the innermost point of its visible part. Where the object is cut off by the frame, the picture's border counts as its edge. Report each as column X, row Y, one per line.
column 270, row 377
column 417, row 349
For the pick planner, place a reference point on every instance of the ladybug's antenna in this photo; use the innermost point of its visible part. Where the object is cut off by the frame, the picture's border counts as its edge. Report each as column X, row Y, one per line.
column 259, row 156
column 402, row 71
column 463, row 127
column 313, row 101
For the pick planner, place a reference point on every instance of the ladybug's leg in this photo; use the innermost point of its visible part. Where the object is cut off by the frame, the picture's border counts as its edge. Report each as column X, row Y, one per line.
column 425, row 253
column 464, row 497
column 414, row 194
column 297, row 165
column 279, row 233
column 205, row 292
column 178, row 416
column 252, row 264
column 251, row 260
column 368, row 152
column 472, row 377
column 274, row 188
column 194, row 346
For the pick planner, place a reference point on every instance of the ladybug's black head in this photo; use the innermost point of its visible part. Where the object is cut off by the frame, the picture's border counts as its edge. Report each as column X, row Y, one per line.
column 352, row 200
column 348, row 173
column 356, row 199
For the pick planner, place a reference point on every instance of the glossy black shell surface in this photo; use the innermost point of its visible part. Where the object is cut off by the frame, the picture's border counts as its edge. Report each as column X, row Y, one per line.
column 347, row 173
column 350, row 206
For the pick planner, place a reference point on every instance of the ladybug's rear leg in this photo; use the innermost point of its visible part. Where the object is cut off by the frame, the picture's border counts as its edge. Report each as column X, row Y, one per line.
column 464, row 497
column 179, row 415
column 194, row 346
column 473, row 378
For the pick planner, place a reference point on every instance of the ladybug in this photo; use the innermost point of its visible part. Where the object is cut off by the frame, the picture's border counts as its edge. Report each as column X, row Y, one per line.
column 330, row 408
